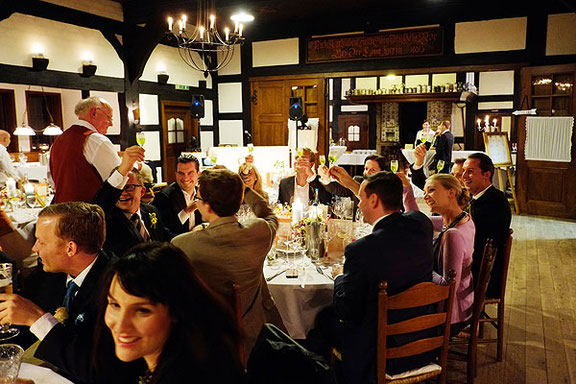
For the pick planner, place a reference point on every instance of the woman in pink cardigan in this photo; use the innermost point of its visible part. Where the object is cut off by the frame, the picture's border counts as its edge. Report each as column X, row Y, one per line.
column 454, row 246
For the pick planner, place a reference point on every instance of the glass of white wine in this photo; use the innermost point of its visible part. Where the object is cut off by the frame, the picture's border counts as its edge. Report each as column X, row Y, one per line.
column 440, row 165
column 6, row 332
column 140, row 138
column 394, row 166
column 322, row 160
column 332, row 160
column 250, row 148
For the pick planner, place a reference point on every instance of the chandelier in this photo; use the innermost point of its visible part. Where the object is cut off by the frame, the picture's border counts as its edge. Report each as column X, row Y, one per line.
column 204, row 48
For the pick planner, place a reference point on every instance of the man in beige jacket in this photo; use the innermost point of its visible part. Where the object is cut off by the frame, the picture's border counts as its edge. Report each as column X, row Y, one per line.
column 228, row 252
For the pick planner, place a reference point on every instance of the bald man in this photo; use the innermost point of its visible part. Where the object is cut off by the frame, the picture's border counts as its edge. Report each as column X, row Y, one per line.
column 83, row 157
column 6, row 167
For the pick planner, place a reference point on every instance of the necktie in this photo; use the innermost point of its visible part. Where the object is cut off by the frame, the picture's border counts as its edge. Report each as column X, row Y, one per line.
column 71, row 290
column 140, row 227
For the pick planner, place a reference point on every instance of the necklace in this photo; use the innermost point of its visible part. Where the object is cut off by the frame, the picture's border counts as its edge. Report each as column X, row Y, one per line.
column 146, row 378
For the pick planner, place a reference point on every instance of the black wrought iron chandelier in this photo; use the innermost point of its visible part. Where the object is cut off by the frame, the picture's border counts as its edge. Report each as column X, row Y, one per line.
column 203, row 47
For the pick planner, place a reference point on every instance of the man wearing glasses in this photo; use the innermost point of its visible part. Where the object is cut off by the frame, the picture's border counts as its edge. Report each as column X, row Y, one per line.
column 82, row 157
column 128, row 220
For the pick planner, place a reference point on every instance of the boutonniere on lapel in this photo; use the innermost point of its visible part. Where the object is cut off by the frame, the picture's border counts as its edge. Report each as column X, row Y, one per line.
column 153, row 220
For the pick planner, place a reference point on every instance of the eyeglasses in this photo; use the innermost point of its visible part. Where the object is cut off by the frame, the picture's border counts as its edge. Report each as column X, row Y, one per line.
column 131, row 187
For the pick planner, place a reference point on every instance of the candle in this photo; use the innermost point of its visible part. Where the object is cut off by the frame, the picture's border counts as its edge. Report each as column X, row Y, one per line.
column 479, row 126
column 11, row 187
column 201, row 32
column 235, row 26
column 297, row 211
column 227, row 32
column 170, row 23
column 240, row 30
column 212, row 18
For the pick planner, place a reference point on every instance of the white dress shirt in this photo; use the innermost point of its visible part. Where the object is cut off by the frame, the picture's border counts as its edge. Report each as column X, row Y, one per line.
column 302, row 193
column 183, row 215
column 99, row 151
column 6, row 167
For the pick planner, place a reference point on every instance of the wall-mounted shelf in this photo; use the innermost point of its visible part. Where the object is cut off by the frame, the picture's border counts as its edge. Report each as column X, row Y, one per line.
column 395, row 98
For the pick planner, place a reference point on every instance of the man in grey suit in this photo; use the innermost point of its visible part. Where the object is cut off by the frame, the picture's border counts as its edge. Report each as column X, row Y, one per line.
column 228, row 252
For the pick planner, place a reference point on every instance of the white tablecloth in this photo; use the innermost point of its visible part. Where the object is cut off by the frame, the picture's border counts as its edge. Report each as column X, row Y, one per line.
column 34, row 171
column 299, row 305
column 41, row 375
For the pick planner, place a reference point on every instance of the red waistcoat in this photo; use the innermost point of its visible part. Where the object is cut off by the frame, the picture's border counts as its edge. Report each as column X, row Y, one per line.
column 74, row 178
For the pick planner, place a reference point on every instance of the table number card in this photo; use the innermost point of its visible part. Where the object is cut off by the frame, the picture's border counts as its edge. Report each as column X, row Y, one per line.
column 41, row 193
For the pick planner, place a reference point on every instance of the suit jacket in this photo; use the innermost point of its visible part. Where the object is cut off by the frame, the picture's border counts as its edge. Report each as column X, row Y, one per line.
column 491, row 215
column 228, row 252
column 121, row 234
column 69, row 346
column 444, row 144
column 398, row 251
column 286, row 191
column 169, row 202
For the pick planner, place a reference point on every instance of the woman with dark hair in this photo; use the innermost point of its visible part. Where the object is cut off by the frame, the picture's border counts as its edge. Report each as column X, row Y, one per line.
column 161, row 319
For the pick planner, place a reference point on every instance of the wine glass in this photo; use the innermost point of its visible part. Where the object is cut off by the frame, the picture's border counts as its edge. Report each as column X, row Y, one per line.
column 440, row 165
column 6, row 332
column 394, row 166
column 213, row 157
column 140, row 138
column 322, row 160
column 332, row 160
column 250, row 148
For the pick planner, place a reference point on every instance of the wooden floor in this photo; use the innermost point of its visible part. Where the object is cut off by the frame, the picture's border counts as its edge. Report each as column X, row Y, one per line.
column 540, row 330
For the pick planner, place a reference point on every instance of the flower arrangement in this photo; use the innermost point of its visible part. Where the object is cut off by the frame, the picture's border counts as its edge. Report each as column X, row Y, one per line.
column 283, row 210
column 300, row 227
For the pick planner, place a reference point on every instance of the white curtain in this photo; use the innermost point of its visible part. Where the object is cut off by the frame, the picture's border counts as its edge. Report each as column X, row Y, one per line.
column 306, row 137
column 549, row 138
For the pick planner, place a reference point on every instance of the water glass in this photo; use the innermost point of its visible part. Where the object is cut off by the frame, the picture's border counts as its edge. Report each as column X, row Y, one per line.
column 10, row 360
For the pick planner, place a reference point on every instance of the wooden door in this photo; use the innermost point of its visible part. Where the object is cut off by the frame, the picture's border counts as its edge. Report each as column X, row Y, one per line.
column 178, row 127
column 269, row 113
column 547, row 187
column 311, row 90
column 354, row 129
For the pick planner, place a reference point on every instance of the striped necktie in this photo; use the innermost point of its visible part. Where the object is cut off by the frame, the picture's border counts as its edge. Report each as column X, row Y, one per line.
column 140, row 227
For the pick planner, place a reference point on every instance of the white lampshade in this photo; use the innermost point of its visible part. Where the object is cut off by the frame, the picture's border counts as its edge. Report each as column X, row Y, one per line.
column 24, row 130
column 52, row 130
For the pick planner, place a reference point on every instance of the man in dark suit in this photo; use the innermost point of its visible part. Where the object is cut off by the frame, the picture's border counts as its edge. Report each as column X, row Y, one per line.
column 128, row 221
column 69, row 238
column 490, row 211
column 399, row 251
column 173, row 201
column 304, row 184
column 444, row 144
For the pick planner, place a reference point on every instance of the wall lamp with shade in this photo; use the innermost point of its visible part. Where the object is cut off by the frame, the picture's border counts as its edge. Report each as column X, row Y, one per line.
column 88, row 69
column 163, row 78
column 39, row 63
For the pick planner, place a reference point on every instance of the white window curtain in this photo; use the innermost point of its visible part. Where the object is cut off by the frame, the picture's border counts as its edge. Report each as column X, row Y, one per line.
column 549, row 138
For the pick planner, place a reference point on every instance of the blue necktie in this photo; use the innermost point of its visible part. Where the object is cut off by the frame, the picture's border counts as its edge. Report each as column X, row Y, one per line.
column 70, row 293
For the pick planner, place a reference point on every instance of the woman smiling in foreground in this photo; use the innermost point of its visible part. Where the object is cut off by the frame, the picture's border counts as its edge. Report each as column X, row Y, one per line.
column 158, row 312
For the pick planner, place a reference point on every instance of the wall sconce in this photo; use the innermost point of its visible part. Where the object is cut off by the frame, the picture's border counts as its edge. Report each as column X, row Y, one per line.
column 163, row 78
column 39, row 63
column 88, row 69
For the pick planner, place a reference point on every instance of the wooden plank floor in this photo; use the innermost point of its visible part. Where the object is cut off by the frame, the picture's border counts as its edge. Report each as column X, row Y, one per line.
column 540, row 331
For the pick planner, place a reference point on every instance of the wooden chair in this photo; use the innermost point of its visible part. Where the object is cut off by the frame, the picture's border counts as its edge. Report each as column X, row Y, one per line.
column 238, row 318
column 498, row 321
column 477, row 309
column 416, row 296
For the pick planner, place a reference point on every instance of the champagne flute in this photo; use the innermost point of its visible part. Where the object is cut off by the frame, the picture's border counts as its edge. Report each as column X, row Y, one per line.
column 6, row 332
column 140, row 138
column 332, row 160
column 250, row 148
column 440, row 165
column 322, row 160
column 394, row 166
column 423, row 140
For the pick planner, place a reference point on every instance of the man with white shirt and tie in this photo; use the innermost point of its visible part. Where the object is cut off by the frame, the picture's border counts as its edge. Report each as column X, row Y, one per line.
column 173, row 201
column 69, row 239
column 83, row 157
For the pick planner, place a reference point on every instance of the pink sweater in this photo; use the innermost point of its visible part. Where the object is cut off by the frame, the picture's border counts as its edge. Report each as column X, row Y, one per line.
column 457, row 247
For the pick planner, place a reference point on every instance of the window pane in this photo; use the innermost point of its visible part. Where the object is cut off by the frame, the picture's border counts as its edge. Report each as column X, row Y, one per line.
column 171, row 124
column 171, row 137
column 180, row 136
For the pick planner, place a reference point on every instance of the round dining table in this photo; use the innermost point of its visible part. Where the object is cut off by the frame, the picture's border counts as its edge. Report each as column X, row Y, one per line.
column 299, row 299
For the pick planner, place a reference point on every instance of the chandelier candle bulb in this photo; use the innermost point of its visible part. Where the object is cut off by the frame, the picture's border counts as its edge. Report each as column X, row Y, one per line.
column 240, row 30
column 236, row 23
column 227, row 32
column 212, row 19
column 201, row 32
column 170, row 23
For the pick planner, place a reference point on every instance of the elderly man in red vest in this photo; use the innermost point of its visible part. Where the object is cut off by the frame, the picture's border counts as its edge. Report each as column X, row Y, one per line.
column 82, row 157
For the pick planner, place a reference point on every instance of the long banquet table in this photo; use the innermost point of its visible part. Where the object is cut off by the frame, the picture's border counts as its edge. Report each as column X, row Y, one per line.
column 300, row 299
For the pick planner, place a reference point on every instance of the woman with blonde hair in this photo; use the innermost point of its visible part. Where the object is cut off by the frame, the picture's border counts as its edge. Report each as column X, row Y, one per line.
column 454, row 246
column 251, row 177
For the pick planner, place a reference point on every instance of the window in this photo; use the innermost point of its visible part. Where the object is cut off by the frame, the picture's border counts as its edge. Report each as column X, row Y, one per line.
column 353, row 133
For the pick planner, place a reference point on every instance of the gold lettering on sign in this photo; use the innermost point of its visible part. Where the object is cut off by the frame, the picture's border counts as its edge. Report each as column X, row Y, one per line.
column 392, row 44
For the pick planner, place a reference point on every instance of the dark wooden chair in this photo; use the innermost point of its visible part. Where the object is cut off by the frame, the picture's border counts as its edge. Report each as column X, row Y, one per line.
column 498, row 321
column 479, row 295
column 239, row 323
column 416, row 296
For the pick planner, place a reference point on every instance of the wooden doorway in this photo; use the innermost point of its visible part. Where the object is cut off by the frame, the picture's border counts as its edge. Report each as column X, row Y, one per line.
column 178, row 127
column 355, row 130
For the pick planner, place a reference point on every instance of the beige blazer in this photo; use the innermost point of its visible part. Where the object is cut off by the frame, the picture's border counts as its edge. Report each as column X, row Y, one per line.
column 228, row 252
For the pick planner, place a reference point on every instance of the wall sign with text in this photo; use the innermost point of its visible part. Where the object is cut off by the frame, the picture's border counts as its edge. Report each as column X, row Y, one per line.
column 391, row 44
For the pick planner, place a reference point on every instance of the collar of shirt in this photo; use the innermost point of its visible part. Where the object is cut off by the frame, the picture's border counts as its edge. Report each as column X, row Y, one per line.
column 478, row 195
column 378, row 220
column 85, row 124
column 82, row 275
column 129, row 215
column 188, row 197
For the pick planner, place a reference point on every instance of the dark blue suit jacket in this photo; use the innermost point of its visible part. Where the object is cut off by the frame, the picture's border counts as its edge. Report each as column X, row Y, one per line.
column 399, row 251
column 444, row 144
column 169, row 202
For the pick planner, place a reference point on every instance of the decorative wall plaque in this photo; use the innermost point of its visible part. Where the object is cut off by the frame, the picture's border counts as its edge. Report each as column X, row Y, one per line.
column 391, row 44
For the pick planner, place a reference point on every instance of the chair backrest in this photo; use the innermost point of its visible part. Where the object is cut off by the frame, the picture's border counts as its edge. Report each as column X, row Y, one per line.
column 419, row 295
column 506, row 263
column 239, row 324
column 482, row 283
